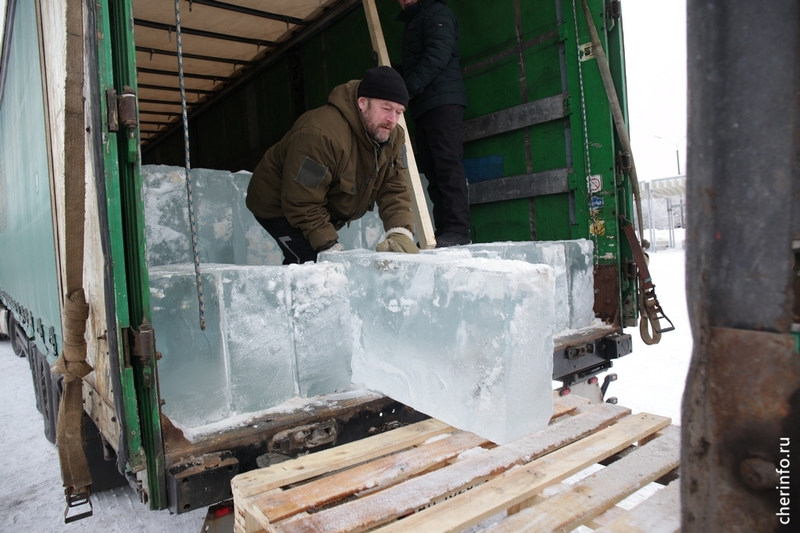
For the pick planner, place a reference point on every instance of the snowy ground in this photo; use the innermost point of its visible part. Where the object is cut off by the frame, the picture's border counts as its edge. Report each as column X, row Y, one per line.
column 31, row 498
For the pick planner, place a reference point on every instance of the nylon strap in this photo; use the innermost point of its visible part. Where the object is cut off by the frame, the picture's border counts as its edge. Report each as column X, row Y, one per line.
column 72, row 361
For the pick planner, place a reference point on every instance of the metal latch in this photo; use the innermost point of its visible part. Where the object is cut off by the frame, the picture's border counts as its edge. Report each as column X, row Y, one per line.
column 305, row 437
column 576, row 352
column 77, row 500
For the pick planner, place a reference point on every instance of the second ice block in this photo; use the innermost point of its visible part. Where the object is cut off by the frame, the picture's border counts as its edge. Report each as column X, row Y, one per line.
column 468, row 341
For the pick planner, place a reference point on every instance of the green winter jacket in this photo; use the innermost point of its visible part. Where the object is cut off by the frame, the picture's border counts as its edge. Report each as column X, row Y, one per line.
column 431, row 60
column 326, row 171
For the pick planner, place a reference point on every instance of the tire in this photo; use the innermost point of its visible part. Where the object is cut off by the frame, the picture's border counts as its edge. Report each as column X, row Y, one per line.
column 14, row 337
column 51, row 398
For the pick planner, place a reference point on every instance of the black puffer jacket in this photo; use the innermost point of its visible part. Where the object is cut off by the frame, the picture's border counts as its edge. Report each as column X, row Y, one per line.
column 431, row 61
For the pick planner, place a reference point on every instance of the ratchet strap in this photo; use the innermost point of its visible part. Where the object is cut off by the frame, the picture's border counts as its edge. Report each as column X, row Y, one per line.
column 72, row 361
column 651, row 314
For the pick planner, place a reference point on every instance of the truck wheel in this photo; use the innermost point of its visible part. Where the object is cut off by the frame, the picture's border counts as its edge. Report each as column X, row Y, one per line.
column 12, row 335
column 46, row 390
column 5, row 322
column 52, row 397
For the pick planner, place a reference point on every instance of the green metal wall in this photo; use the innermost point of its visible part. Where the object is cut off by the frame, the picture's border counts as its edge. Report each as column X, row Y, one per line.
column 28, row 279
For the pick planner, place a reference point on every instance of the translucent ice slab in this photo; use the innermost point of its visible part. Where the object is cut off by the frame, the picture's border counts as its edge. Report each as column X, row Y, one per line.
column 571, row 261
column 468, row 341
column 193, row 374
column 272, row 333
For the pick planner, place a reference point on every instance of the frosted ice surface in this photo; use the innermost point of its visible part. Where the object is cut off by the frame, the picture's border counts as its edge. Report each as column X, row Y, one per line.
column 252, row 245
column 580, row 264
column 192, row 371
column 320, row 314
column 166, row 215
column 212, row 193
column 468, row 341
column 258, row 336
column 572, row 262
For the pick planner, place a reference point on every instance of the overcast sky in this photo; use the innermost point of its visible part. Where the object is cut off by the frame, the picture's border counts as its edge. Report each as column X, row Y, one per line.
column 655, row 51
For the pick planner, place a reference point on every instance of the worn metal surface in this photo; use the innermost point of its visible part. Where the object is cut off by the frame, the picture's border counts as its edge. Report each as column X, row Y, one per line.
column 521, row 116
column 524, row 186
column 606, row 294
column 737, row 409
column 743, row 386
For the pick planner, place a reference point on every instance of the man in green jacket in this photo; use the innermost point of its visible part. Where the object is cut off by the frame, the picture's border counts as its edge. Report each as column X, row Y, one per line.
column 333, row 166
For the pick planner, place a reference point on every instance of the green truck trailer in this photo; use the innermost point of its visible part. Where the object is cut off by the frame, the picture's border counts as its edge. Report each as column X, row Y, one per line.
column 90, row 97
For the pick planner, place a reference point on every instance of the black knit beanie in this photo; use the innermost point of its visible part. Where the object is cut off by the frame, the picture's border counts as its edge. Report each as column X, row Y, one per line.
column 384, row 83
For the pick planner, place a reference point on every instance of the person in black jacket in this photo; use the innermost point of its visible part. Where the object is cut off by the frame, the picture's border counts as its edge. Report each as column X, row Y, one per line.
column 432, row 73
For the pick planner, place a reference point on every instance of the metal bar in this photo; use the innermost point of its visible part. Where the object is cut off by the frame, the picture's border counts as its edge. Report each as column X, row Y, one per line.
column 514, row 118
column 202, row 33
column 742, row 72
column 173, row 89
column 249, row 11
column 158, row 51
column 171, row 74
column 523, row 186
column 510, row 52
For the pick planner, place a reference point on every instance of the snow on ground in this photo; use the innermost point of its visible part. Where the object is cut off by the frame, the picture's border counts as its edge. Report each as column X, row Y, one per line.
column 651, row 380
column 31, row 495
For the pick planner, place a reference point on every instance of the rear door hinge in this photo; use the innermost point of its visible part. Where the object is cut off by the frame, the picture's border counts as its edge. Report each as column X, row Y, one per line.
column 142, row 345
column 122, row 110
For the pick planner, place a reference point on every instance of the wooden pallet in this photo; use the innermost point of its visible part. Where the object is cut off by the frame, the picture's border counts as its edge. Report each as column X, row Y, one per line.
column 430, row 477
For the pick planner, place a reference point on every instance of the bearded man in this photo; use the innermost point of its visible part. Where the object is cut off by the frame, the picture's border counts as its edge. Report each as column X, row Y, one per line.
column 335, row 164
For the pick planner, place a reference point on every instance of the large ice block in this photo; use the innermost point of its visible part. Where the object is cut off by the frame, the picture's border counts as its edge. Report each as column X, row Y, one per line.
column 252, row 245
column 466, row 340
column 572, row 262
column 580, row 268
column 166, row 215
column 193, row 371
column 212, row 192
column 258, row 336
column 320, row 315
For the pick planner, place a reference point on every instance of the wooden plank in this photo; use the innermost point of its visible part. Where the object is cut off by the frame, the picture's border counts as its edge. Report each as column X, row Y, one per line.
column 374, row 475
column 422, row 491
column 660, row 513
column 567, row 405
column 316, row 464
column 600, row 491
column 519, row 484
column 422, row 218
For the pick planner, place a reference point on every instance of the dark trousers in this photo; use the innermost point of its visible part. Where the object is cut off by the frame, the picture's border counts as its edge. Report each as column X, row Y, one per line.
column 439, row 153
column 294, row 245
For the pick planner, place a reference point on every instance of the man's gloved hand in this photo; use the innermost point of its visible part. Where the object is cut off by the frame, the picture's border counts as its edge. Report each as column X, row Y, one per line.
column 335, row 246
column 398, row 240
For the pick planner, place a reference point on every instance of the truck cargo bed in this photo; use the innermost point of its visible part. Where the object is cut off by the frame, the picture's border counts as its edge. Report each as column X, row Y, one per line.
column 431, row 477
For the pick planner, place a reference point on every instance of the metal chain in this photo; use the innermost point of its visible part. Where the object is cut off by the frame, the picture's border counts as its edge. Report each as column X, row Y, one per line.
column 592, row 213
column 192, row 222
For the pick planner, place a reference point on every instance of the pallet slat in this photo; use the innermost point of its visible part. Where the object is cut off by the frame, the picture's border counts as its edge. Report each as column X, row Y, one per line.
column 517, row 485
column 600, row 491
column 422, row 491
column 377, row 474
column 660, row 513
column 319, row 463
column 432, row 477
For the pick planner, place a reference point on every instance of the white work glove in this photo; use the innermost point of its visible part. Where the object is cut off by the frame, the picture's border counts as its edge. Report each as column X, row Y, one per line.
column 398, row 240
